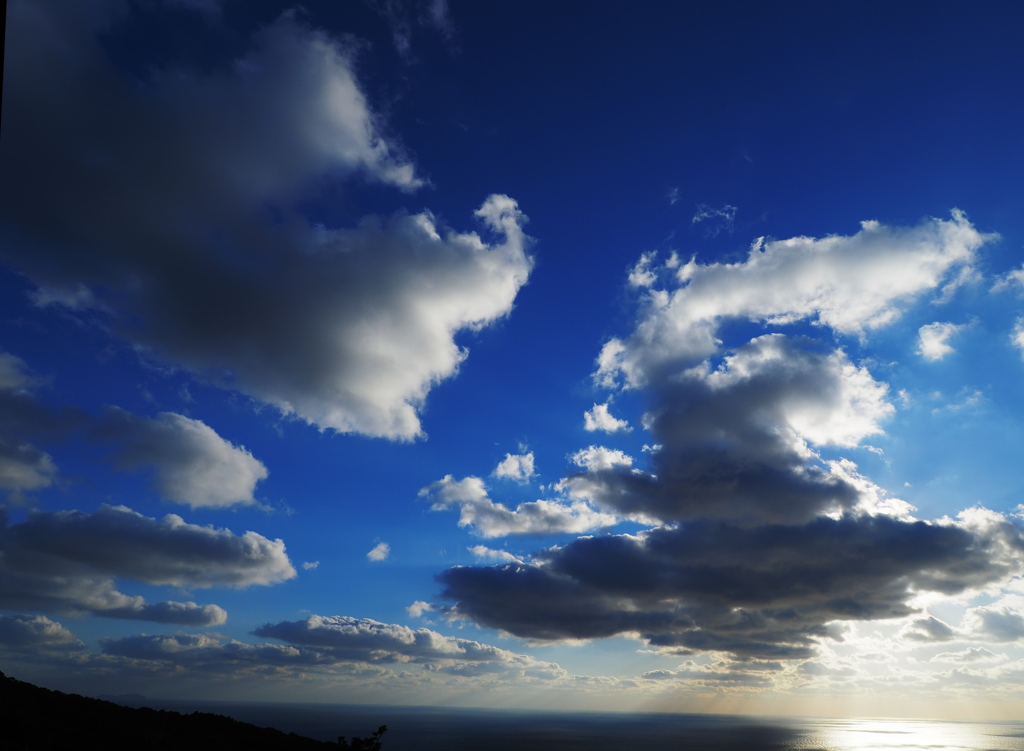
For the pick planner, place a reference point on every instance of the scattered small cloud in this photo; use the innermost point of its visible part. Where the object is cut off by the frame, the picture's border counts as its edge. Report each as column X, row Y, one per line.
column 641, row 274
column 933, row 340
column 967, row 399
column 517, row 467
column 1017, row 335
column 380, row 552
column 485, row 553
column 492, row 519
column 418, row 608
column 971, row 654
column 311, row 565
column 1011, row 280
column 599, row 418
column 718, row 220
column 929, row 629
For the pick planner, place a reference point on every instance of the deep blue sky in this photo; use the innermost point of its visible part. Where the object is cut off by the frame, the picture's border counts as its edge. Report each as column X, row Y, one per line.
column 243, row 287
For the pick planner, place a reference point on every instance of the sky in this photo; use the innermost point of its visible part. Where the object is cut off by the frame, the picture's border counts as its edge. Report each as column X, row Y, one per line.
column 576, row 355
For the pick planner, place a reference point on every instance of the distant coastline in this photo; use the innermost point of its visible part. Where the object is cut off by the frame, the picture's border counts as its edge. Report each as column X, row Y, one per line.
column 135, row 721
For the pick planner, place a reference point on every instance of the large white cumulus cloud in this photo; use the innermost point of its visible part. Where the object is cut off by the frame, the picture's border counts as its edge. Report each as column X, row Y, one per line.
column 173, row 207
column 850, row 284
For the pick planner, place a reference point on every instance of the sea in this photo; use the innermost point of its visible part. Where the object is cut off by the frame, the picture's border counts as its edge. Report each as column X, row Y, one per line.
column 434, row 729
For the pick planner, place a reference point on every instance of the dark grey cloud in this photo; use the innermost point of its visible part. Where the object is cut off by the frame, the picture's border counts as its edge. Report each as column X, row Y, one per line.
column 32, row 632
column 929, row 629
column 169, row 208
column 120, row 542
column 24, row 467
column 767, row 591
column 733, row 441
column 190, row 462
column 998, row 623
column 66, row 561
column 760, row 546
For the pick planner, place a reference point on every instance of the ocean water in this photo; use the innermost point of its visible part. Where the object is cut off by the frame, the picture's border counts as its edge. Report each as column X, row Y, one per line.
column 431, row 729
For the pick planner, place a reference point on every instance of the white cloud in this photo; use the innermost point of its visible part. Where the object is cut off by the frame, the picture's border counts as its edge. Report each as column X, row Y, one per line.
column 971, row 654
column 191, row 463
column 1010, row 280
column 311, row 565
column 518, row 467
column 718, row 220
column 998, row 623
column 380, row 552
column 1017, row 336
column 599, row 418
column 345, row 328
column 841, row 413
column 492, row 519
column 599, row 457
column 933, row 340
column 418, row 608
column 850, row 284
column 641, row 274
column 485, row 553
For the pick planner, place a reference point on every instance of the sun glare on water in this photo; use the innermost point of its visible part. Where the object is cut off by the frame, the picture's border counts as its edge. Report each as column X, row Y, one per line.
column 902, row 735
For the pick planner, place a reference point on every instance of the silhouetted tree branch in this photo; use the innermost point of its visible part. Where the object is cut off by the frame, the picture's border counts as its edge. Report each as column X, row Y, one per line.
column 365, row 744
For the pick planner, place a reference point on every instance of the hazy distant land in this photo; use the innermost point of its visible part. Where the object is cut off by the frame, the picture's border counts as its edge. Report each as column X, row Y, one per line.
column 38, row 718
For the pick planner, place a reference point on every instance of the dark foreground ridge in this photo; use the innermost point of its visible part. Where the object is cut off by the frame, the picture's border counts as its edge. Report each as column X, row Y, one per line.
column 38, row 718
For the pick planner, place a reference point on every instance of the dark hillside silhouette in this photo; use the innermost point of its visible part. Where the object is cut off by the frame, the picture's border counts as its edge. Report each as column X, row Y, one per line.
column 38, row 718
